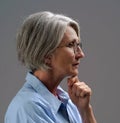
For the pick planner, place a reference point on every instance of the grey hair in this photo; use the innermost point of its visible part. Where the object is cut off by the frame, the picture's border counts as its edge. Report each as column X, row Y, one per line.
column 40, row 35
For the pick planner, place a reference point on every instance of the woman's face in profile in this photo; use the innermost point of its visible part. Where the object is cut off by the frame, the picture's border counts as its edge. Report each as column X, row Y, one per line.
column 65, row 61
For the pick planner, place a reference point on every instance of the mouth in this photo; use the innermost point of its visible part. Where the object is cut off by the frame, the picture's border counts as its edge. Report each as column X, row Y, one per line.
column 76, row 65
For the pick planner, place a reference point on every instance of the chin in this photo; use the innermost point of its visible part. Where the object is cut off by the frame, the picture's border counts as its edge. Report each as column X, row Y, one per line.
column 74, row 73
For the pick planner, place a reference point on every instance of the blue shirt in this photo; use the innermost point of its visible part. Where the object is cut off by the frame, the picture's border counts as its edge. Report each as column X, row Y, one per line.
column 34, row 103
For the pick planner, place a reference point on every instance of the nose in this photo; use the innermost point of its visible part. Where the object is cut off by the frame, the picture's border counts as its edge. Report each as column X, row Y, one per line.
column 79, row 53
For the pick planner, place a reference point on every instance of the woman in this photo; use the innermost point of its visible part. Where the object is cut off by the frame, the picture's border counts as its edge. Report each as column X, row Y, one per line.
column 49, row 45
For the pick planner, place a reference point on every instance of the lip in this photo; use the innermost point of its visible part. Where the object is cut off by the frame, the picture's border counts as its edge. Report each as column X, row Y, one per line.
column 76, row 64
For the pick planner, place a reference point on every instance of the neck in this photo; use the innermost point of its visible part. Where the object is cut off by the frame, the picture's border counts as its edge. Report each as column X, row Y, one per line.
column 49, row 79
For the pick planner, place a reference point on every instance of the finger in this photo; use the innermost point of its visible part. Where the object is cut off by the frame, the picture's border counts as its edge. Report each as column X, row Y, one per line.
column 85, row 91
column 78, row 91
column 72, row 80
column 81, row 89
column 75, row 89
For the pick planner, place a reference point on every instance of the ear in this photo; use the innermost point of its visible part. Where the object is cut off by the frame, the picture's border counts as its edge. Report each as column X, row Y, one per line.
column 48, row 60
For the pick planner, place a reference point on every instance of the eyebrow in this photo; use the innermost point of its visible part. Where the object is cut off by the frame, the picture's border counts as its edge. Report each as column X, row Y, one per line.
column 74, row 40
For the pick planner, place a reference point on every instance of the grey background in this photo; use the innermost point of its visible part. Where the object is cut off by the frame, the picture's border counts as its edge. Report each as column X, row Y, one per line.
column 100, row 32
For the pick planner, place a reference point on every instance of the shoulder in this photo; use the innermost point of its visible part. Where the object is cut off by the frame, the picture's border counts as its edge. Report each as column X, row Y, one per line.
column 26, row 98
column 26, row 107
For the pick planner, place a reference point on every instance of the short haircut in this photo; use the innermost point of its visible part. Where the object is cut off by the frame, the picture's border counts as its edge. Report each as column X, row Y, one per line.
column 39, row 35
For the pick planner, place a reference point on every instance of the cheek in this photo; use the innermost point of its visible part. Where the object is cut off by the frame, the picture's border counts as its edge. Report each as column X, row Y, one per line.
column 63, row 59
column 67, row 59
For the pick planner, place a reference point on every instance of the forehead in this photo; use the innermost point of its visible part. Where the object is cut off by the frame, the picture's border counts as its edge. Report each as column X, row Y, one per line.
column 70, row 35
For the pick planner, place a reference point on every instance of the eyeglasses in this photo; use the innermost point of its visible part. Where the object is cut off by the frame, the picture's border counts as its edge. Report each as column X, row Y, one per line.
column 74, row 45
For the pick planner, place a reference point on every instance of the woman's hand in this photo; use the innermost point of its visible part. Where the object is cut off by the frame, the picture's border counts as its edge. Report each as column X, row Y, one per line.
column 80, row 94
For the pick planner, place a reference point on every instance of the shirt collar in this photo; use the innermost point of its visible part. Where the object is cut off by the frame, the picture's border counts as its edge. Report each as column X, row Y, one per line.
column 52, row 101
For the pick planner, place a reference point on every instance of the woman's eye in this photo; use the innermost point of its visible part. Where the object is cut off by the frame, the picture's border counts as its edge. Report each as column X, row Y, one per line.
column 71, row 44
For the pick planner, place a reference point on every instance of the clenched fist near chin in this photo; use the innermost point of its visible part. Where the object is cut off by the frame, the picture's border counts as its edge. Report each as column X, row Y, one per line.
column 80, row 94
